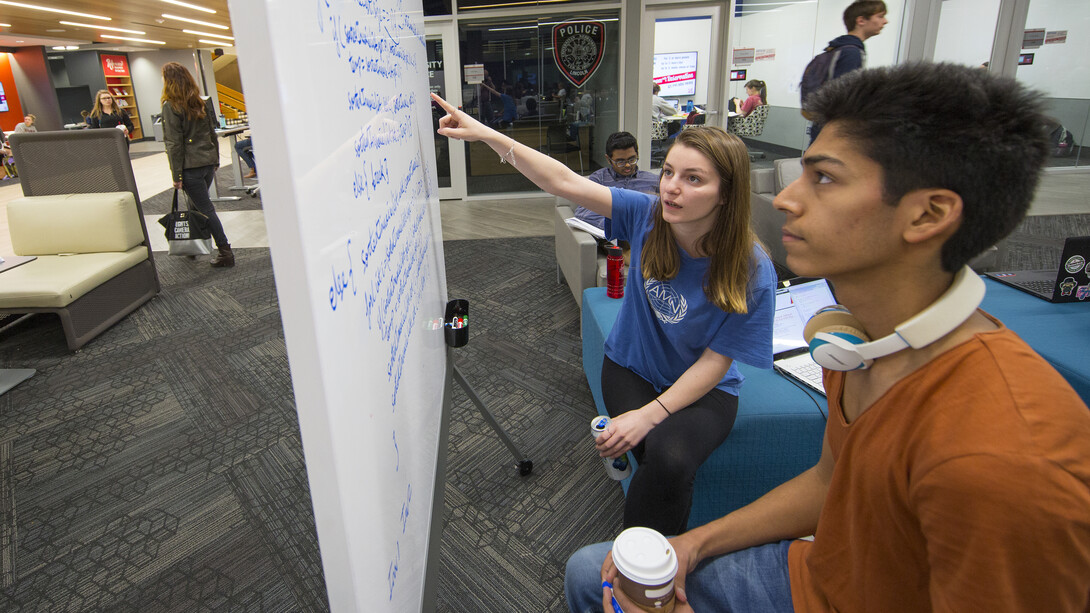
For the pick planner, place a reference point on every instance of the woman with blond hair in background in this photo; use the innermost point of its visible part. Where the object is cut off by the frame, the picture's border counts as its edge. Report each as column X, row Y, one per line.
column 106, row 114
column 193, row 149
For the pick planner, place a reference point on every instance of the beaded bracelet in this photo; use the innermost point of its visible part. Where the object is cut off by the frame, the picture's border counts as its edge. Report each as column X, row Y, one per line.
column 510, row 154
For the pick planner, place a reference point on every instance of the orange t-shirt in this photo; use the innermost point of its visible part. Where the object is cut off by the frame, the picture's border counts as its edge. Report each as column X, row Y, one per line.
column 966, row 487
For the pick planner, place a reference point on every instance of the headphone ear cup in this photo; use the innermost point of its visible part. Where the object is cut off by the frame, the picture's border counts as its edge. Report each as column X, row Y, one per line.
column 834, row 319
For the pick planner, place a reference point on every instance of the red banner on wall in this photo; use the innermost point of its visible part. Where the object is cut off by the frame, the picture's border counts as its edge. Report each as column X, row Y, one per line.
column 115, row 65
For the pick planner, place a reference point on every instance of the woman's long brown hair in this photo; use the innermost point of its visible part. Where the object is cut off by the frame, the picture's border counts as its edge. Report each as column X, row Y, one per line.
column 729, row 243
column 96, row 110
column 181, row 91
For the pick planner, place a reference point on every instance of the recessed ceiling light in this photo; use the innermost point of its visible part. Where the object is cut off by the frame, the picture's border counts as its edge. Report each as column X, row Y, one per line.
column 53, row 10
column 138, row 40
column 112, row 29
column 190, row 6
column 56, row 30
column 209, row 34
column 5, row 25
column 215, row 42
column 200, row 23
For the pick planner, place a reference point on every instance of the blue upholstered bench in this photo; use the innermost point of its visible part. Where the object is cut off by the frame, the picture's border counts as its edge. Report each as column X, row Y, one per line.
column 777, row 434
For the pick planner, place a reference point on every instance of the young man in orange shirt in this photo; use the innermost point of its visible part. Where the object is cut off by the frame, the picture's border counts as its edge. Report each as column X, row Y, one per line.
column 955, row 472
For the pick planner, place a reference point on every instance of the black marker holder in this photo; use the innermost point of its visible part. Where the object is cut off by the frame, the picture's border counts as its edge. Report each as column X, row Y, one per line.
column 459, row 337
column 456, row 309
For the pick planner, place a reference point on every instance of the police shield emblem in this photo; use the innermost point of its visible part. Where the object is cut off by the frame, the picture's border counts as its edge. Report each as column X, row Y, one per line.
column 577, row 48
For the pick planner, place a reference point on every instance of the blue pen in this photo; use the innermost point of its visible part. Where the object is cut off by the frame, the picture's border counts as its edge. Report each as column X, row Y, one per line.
column 616, row 605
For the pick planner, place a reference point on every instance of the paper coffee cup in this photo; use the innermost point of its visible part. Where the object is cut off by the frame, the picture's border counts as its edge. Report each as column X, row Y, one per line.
column 647, row 565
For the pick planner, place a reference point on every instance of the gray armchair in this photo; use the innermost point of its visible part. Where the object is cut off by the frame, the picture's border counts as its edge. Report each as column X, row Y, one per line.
column 577, row 259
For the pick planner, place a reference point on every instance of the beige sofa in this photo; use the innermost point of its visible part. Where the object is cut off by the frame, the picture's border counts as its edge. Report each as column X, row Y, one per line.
column 93, row 264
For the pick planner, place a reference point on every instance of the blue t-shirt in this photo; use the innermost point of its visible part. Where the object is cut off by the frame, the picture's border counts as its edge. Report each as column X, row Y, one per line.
column 664, row 326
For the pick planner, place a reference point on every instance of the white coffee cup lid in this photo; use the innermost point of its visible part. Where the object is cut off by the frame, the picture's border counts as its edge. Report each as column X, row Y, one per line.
column 644, row 556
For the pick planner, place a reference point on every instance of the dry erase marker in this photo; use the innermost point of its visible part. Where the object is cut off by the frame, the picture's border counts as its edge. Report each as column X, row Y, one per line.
column 613, row 599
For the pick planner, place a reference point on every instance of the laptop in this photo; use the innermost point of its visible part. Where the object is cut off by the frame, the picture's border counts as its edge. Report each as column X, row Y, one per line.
column 1069, row 282
column 796, row 302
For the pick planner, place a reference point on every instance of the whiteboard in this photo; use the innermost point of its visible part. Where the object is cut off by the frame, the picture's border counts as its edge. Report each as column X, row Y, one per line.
column 337, row 98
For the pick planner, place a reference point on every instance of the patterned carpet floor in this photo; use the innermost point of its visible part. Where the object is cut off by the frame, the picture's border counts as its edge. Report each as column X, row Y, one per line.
column 159, row 469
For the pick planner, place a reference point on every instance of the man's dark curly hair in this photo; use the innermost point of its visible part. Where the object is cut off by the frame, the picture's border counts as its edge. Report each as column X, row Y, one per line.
column 945, row 126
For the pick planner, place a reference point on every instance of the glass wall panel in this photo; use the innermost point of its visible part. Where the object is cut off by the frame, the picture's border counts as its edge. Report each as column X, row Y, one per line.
column 436, row 75
column 526, row 95
column 966, row 31
column 436, row 7
column 1055, row 46
column 774, row 41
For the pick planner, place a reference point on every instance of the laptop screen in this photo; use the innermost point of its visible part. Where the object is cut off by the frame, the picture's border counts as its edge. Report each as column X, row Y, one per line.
column 795, row 305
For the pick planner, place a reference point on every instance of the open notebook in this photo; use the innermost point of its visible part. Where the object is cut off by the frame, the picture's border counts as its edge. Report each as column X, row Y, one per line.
column 796, row 303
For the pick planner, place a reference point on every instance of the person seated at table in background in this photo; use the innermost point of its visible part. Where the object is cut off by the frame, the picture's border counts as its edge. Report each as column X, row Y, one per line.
column 6, row 159
column 700, row 295
column 106, row 114
column 26, row 125
column 756, row 95
column 955, row 472
column 510, row 109
column 623, row 155
column 245, row 150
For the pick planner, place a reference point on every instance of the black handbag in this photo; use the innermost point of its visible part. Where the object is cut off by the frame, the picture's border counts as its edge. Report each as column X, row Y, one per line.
column 187, row 231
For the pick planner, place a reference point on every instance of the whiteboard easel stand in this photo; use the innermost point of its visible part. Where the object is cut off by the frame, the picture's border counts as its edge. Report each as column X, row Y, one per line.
column 457, row 335
column 525, row 465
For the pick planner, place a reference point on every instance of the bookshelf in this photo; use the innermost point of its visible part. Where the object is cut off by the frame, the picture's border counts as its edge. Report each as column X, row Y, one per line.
column 115, row 68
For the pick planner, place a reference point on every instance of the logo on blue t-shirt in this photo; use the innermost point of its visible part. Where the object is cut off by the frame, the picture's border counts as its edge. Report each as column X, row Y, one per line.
column 669, row 306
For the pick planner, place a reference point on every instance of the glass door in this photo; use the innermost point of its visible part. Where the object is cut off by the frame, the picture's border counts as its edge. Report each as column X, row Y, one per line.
column 686, row 48
column 443, row 79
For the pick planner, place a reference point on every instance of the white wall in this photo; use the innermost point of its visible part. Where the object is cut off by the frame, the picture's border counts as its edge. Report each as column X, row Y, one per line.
column 688, row 35
column 1061, row 71
column 966, row 31
column 147, row 80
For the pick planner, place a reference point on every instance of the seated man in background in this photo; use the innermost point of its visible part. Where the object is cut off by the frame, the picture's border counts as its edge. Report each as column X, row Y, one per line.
column 27, row 124
column 623, row 155
column 245, row 150
column 955, row 471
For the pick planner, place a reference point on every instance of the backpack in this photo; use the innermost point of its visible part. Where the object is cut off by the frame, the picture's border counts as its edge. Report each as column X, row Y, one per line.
column 1061, row 142
column 818, row 72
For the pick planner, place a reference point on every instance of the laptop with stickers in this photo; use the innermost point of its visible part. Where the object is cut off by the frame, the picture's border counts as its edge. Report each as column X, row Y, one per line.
column 1070, row 282
column 796, row 301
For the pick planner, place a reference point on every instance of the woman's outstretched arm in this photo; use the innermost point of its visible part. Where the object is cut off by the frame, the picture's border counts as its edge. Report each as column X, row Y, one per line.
column 547, row 173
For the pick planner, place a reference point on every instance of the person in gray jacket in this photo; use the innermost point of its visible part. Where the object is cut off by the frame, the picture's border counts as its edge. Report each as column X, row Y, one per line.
column 193, row 149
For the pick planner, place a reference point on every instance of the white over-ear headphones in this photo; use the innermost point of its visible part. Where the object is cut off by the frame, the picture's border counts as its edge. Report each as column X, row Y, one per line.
column 838, row 342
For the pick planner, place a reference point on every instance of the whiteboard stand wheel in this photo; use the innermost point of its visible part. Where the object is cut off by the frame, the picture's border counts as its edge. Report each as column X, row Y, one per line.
column 525, row 467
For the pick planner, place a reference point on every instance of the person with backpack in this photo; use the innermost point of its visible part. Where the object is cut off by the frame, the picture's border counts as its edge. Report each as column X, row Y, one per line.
column 863, row 19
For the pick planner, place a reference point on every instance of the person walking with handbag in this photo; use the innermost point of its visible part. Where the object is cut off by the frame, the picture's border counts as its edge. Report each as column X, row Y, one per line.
column 193, row 150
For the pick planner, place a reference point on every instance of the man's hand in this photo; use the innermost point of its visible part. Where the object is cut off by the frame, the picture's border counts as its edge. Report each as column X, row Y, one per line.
column 681, row 603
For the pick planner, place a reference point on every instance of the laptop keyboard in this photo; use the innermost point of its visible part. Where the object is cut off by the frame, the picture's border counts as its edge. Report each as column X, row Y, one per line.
column 805, row 369
column 1040, row 287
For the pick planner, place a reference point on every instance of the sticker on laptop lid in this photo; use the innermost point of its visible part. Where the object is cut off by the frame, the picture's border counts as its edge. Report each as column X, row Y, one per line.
column 1067, row 286
column 1083, row 293
column 1074, row 264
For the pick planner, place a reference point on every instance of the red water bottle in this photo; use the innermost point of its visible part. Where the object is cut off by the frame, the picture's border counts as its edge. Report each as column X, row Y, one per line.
column 614, row 272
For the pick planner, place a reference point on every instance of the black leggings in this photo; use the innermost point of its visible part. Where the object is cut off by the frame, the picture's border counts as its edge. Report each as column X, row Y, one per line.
column 661, row 492
column 195, row 182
